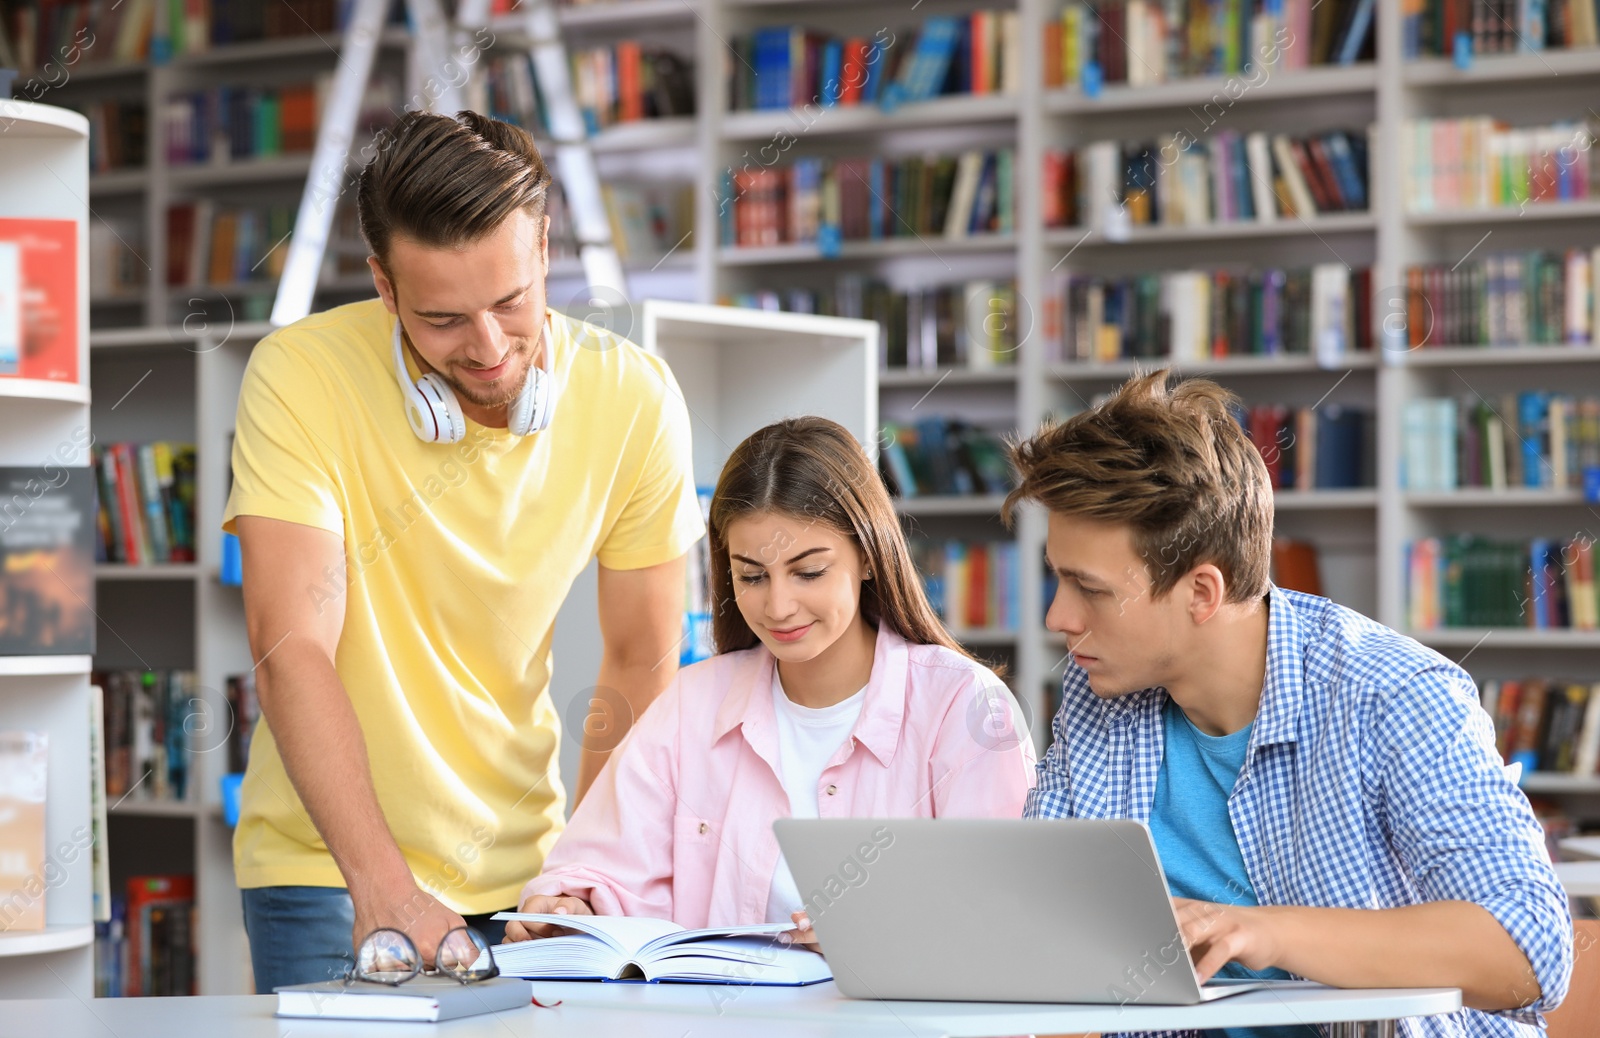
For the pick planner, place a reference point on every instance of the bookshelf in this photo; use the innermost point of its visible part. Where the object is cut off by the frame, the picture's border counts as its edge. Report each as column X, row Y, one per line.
column 1361, row 531
column 44, row 167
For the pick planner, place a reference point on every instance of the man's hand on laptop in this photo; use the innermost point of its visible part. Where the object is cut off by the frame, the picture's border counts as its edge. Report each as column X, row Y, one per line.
column 1220, row 934
column 802, row 935
column 545, row 904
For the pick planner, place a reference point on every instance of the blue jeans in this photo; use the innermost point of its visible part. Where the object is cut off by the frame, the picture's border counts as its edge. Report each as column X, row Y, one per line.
column 299, row 935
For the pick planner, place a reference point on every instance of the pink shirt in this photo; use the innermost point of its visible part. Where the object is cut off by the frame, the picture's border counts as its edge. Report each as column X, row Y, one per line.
column 679, row 823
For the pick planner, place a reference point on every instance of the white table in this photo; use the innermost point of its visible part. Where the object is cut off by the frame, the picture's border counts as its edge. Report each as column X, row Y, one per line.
column 1585, row 847
column 1579, row 878
column 671, row 1011
column 822, row 1002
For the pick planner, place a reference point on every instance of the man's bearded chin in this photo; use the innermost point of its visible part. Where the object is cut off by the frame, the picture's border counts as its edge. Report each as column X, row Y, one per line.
column 501, row 393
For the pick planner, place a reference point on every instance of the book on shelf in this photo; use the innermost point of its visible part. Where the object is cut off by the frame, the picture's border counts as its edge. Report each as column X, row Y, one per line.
column 1199, row 177
column 1538, row 439
column 148, row 716
column 148, row 946
column 609, row 947
column 970, row 324
column 117, row 269
column 1506, row 299
column 1542, row 583
column 1329, row 447
column 943, row 456
column 99, row 857
column 1141, row 42
column 861, row 199
column 24, row 767
column 786, row 66
column 146, row 503
column 1195, row 315
column 1296, row 565
column 1481, row 162
column 244, row 710
column 46, row 561
column 39, row 299
column 117, row 133
column 970, row 584
column 1545, row 724
column 649, row 221
column 46, row 38
column 238, row 123
column 623, row 82
column 1430, row 28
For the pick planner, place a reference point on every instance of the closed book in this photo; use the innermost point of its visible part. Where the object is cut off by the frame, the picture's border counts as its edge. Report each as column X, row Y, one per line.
column 426, row 999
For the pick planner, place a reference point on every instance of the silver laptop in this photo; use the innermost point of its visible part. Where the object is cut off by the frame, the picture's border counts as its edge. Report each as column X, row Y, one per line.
column 994, row 910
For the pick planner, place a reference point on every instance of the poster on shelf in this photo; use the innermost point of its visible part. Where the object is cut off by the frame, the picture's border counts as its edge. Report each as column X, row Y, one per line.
column 22, row 780
column 47, row 523
column 44, row 335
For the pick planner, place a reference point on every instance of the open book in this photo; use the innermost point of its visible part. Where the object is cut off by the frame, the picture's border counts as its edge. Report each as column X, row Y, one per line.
column 611, row 947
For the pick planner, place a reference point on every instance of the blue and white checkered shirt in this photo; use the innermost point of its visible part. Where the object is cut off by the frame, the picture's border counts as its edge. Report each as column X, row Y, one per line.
column 1371, row 781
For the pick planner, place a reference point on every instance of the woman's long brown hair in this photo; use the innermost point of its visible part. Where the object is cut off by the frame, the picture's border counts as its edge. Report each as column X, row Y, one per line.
column 812, row 470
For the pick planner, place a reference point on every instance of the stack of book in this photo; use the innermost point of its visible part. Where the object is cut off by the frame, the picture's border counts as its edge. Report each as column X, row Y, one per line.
column 1305, row 448
column 1208, row 315
column 868, row 199
column 148, row 946
column 970, row 584
column 1546, row 724
column 943, row 456
column 47, row 38
column 1506, row 299
column 232, row 123
column 148, row 717
column 971, row 324
column 1228, row 177
column 791, row 66
column 1140, row 42
column 1432, row 27
column 1535, row 438
column 209, row 244
column 1470, row 581
column 146, row 502
column 1481, row 163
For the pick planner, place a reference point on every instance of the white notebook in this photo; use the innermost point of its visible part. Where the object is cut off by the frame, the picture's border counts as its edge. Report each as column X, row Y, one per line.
column 624, row 948
column 424, row 998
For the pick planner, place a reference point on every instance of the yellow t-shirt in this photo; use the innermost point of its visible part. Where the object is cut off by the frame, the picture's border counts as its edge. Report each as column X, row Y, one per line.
column 457, row 557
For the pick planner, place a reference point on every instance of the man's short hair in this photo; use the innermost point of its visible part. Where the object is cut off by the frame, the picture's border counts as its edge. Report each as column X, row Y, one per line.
column 1170, row 462
column 444, row 181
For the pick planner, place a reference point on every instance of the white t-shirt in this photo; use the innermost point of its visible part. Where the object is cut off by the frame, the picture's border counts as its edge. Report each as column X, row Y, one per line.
column 807, row 741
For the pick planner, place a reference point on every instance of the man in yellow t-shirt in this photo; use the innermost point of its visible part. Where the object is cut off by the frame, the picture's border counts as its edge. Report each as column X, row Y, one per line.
column 400, row 593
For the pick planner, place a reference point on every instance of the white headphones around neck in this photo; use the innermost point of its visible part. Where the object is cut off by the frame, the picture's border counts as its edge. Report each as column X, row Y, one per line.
column 435, row 413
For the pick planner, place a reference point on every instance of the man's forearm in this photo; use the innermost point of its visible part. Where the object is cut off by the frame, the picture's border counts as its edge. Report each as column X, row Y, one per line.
column 1439, row 944
column 325, row 754
column 636, row 686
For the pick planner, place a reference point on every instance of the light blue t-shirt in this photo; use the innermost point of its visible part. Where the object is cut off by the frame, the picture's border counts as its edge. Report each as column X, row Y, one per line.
column 1194, row 835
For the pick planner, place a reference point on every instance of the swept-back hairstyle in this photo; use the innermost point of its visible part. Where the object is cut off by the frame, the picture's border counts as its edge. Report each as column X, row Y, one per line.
column 812, row 470
column 444, row 181
column 1170, row 462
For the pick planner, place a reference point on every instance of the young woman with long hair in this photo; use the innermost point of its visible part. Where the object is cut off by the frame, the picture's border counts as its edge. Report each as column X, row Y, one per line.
column 835, row 692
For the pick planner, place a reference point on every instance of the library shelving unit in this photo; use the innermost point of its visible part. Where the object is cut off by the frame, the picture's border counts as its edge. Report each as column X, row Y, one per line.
column 44, row 169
